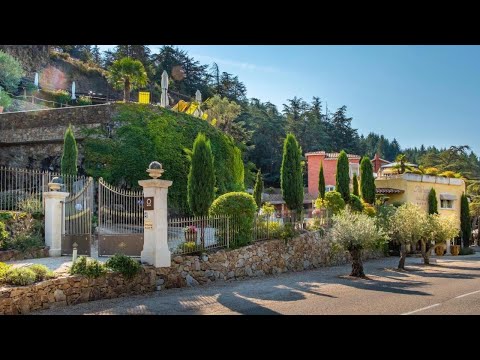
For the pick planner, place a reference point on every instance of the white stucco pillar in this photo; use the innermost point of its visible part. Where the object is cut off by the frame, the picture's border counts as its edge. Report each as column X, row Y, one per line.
column 54, row 204
column 448, row 246
column 155, row 246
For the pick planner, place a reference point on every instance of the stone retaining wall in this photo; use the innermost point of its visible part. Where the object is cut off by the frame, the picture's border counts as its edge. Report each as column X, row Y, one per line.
column 70, row 290
column 10, row 255
column 308, row 251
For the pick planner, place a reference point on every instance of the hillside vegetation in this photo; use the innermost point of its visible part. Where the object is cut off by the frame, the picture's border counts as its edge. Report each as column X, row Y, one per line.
column 145, row 133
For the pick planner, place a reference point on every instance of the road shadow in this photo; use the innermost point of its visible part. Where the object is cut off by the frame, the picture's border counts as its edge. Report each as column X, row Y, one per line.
column 374, row 283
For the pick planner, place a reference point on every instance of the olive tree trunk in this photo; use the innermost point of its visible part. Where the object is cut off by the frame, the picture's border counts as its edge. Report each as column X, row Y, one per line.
column 403, row 256
column 357, row 265
column 426, row 252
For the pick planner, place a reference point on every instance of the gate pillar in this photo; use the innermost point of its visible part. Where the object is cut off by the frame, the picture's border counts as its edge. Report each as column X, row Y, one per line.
column 54, row 203
column 155, row 246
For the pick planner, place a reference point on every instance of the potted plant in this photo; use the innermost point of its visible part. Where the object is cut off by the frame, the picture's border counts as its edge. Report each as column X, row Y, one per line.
column 455, row 250
column 5, row 100
column 439, row 250
column 190, row 234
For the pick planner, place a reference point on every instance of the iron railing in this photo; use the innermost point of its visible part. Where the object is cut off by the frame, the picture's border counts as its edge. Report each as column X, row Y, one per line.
column 22, row 189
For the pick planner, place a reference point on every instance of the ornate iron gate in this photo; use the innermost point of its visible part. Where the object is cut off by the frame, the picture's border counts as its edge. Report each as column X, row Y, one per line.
column 120, row 221
column 77, row 215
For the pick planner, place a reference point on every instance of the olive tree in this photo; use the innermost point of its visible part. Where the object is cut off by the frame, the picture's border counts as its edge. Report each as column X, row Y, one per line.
column 406, row 228
column 354, row 232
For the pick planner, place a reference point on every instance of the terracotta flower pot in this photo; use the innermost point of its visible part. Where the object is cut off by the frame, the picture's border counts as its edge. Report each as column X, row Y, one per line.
column 1, row 109
column 455, row 250
column 439, row 250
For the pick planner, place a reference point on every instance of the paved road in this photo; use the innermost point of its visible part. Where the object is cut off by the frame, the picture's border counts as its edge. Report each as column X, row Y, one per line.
column 451, row 286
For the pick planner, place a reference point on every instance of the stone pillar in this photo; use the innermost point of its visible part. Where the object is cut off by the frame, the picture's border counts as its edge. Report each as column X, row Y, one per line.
column 155, row 246
column 448, row 246
column 54, row 207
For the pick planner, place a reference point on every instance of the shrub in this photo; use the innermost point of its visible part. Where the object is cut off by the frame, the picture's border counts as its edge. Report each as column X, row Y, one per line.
column 333, row 201
column 274, row 229
column 41, row 272
column 3, row 271
column 241, row 208
column 288, row 231
column 11, row 72
column 267, row 209
column 466, row 251
column 449, row 174
column 431, row 171
column 291, row 176
column 84, row 100
column 26, row 241
column 3, row 234
column 125, row 265
column 5, row 100
column 30, row 205
column 20, row 276
column 369, row 210
column 62, row 96
column 188, row 246
column 91, row 268
column 355, row 203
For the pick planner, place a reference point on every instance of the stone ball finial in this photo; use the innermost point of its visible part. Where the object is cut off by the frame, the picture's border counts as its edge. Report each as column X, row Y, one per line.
column 55, row 184
column 155, row 165
column 155, row 170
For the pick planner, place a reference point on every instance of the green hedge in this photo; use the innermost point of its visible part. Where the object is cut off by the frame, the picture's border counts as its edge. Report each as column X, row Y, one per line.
column 146, row 133
column 241, row 207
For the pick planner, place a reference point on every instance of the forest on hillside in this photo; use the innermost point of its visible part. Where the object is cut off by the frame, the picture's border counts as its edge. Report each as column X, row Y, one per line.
column 259, row 128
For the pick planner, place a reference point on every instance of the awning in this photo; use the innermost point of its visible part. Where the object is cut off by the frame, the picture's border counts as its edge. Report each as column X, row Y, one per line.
column 446, row 196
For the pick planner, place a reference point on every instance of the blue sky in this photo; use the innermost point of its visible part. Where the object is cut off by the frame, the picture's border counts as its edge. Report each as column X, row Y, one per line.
column 418, row 94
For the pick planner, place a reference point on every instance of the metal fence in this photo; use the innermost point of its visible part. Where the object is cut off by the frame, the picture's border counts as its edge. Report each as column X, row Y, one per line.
column 193, row 234
column 22, row 189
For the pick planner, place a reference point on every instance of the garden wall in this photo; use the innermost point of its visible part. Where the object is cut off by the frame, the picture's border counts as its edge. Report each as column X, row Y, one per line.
column 308, row 251
column 70, row 290
column 11, row 255
column 34, row 139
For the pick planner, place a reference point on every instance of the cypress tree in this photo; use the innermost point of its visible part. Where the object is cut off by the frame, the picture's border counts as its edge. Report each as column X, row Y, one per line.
column 355, row 185
column 432, row 202
column 321, row 183
column 291, row 176
column 70, row 153
column 367, row 182
column 465, row 225
column 258, row 189
column 201, row 178
column 343, row 176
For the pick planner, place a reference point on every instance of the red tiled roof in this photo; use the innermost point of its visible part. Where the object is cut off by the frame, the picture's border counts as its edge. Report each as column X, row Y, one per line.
column 389, row 191
column 331, row 155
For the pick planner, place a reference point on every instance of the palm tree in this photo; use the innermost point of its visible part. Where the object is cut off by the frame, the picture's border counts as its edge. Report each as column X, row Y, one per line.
column 127, row 74
column 402, row 163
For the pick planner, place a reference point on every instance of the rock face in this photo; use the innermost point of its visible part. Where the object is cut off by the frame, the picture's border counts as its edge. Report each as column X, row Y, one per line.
column 32, row 57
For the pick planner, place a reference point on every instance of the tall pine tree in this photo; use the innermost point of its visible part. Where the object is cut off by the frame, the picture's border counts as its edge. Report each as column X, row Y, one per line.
column 321, row 183
column 355, row 185
column 70, row 153
column 367, row 182
column 291, row 177
column 465, row 224
column 258, row 190
column 432, row 202
column 343, row 176
column 201, row 178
